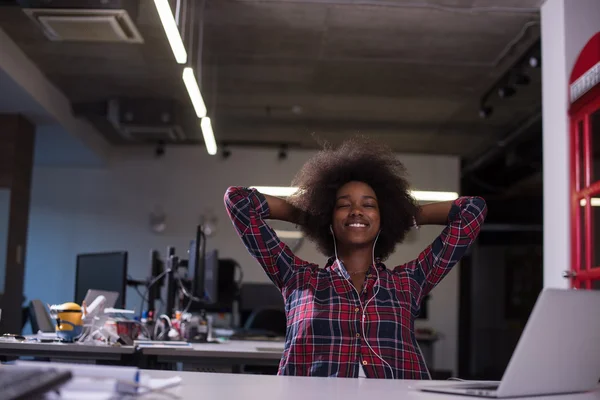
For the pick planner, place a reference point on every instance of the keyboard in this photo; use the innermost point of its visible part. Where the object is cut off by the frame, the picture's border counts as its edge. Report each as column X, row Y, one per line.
column 26, row 383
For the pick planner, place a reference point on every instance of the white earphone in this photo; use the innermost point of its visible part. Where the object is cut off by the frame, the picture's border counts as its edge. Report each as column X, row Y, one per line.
column 362, row 323
column 364, row 316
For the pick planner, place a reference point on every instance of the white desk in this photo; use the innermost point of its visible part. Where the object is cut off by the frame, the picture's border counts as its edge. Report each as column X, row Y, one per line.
column 235, row 352
column 197, row 385
column 65, row 351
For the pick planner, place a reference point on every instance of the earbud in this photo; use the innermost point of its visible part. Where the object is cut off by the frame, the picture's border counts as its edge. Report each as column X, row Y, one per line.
column 331, row 229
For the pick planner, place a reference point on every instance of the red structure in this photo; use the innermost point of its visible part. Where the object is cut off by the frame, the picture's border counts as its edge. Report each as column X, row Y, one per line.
column 584, row 112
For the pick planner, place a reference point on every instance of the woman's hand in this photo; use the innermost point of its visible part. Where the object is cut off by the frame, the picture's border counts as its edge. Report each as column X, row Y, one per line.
column 434, row 213
column 283, row 211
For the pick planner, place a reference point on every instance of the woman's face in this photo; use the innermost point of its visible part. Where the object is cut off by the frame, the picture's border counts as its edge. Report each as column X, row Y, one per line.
column 356, row 219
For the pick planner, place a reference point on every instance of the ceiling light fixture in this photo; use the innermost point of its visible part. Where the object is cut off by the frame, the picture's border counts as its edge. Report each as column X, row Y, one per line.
column 419, row 195
column 209, row 136
column 424, row 195
column 171, row 30
column 283, row 191
column 506, row 91
column 522, row 79
column 289, row 234
column 194, row 92
column 534, row 62
column 485, row 112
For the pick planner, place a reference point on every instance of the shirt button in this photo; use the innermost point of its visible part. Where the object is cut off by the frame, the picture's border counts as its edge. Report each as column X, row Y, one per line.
column 358, row 335
column 365, row 362
column 356, row 309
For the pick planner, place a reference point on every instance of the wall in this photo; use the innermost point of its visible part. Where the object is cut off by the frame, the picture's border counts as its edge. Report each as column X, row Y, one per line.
column 77, row 210
column 566, row 27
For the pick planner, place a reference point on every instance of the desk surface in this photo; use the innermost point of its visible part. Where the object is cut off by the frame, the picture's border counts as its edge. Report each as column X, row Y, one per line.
column 265, row 387
column 63, row 348
column 238, row 349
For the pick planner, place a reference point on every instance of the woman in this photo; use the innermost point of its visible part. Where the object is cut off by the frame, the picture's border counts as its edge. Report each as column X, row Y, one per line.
column 354, row 317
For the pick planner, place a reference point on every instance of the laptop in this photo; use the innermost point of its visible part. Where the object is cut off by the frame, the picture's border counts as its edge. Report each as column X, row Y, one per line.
column 557, row 352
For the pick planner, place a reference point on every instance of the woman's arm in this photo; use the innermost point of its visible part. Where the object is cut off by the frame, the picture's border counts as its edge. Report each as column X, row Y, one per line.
column 434, row 213
column 463, row 218
column 282, row 210
column 248, row 210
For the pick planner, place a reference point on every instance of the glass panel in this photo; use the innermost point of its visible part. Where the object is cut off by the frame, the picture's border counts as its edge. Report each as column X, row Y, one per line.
column 580, row 164
column 595, row 145
column 581, row 260
column 595, row 235
column 596, row 284
column 4, row 214
column 595, row 139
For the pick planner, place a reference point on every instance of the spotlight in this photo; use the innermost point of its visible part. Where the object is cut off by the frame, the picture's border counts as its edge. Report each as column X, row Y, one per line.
column 506, row 92
column 522, row 79
column 226, row 153
column 485, row 112
column 534, row 62
column 159, row 151
column 282, row 153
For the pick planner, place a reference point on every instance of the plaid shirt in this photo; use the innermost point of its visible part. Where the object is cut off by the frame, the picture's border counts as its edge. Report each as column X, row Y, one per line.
column 324, row 332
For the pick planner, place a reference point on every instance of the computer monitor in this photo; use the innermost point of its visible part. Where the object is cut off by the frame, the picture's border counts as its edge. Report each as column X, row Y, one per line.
column 203, row 269
column 157, row 267
column 101, row 271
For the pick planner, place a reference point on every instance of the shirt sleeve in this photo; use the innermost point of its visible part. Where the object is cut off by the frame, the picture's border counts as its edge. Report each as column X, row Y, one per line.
column 247, row 209
column 433, row 264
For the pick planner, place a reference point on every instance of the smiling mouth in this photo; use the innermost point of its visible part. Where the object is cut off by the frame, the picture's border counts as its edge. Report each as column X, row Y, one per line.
column 357, row 225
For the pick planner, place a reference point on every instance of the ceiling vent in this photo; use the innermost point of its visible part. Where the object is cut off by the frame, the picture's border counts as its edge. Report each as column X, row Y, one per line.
column 145, row 121
column 86, row 25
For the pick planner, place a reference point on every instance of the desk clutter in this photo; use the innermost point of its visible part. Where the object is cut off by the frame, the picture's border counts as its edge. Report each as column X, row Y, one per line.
column 27, row 380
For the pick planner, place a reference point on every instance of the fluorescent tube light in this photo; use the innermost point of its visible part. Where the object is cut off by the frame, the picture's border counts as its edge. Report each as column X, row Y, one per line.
column 209, row 136
column 288, row 234
column 419, row 195
column 595, row 202
column 282, row 191
column 194, row 91
column 170, row 26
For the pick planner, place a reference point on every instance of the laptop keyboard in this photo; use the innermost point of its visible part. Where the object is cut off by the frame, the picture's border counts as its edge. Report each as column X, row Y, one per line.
column 23, row 383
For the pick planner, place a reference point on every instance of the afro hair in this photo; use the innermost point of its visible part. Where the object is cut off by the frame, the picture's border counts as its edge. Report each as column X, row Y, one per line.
column 357, row 159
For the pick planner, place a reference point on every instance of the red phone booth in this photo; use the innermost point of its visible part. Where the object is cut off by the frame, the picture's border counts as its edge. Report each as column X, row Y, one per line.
column 584, row 112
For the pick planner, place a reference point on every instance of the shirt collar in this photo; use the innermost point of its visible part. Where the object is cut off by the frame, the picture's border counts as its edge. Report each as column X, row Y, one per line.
column 338, row 267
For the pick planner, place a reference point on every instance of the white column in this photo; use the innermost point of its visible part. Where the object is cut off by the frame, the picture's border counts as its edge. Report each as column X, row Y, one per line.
column 566, row 27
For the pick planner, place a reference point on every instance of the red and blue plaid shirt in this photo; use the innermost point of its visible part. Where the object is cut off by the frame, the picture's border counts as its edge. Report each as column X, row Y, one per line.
column 324, row 332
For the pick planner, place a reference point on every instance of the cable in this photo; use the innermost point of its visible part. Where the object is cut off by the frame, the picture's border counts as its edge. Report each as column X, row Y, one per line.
column 149, row 285
column 377, row 283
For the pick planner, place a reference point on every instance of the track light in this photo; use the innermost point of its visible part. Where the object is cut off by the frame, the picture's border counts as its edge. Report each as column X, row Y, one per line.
column 506, row 92
column 282, row 153
column 522, row 79
column 534, row 62
column 485, row 112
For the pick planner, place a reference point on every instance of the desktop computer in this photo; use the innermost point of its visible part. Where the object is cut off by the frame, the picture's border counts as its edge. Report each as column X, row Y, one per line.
column 101, row 271
column 203, row 270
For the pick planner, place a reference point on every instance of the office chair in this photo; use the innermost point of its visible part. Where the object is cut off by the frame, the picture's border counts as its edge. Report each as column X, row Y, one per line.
column 264, row 322
column 270, row 320
column 40, row 317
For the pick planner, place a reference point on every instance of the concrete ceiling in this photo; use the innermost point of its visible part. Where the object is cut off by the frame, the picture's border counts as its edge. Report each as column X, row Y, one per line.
column 295, row 72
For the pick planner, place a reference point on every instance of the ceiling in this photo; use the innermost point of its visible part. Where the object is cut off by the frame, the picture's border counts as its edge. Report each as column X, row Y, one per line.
column 295, row 73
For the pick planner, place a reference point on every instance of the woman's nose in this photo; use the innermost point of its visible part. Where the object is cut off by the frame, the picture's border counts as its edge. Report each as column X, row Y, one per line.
column 355, row 211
